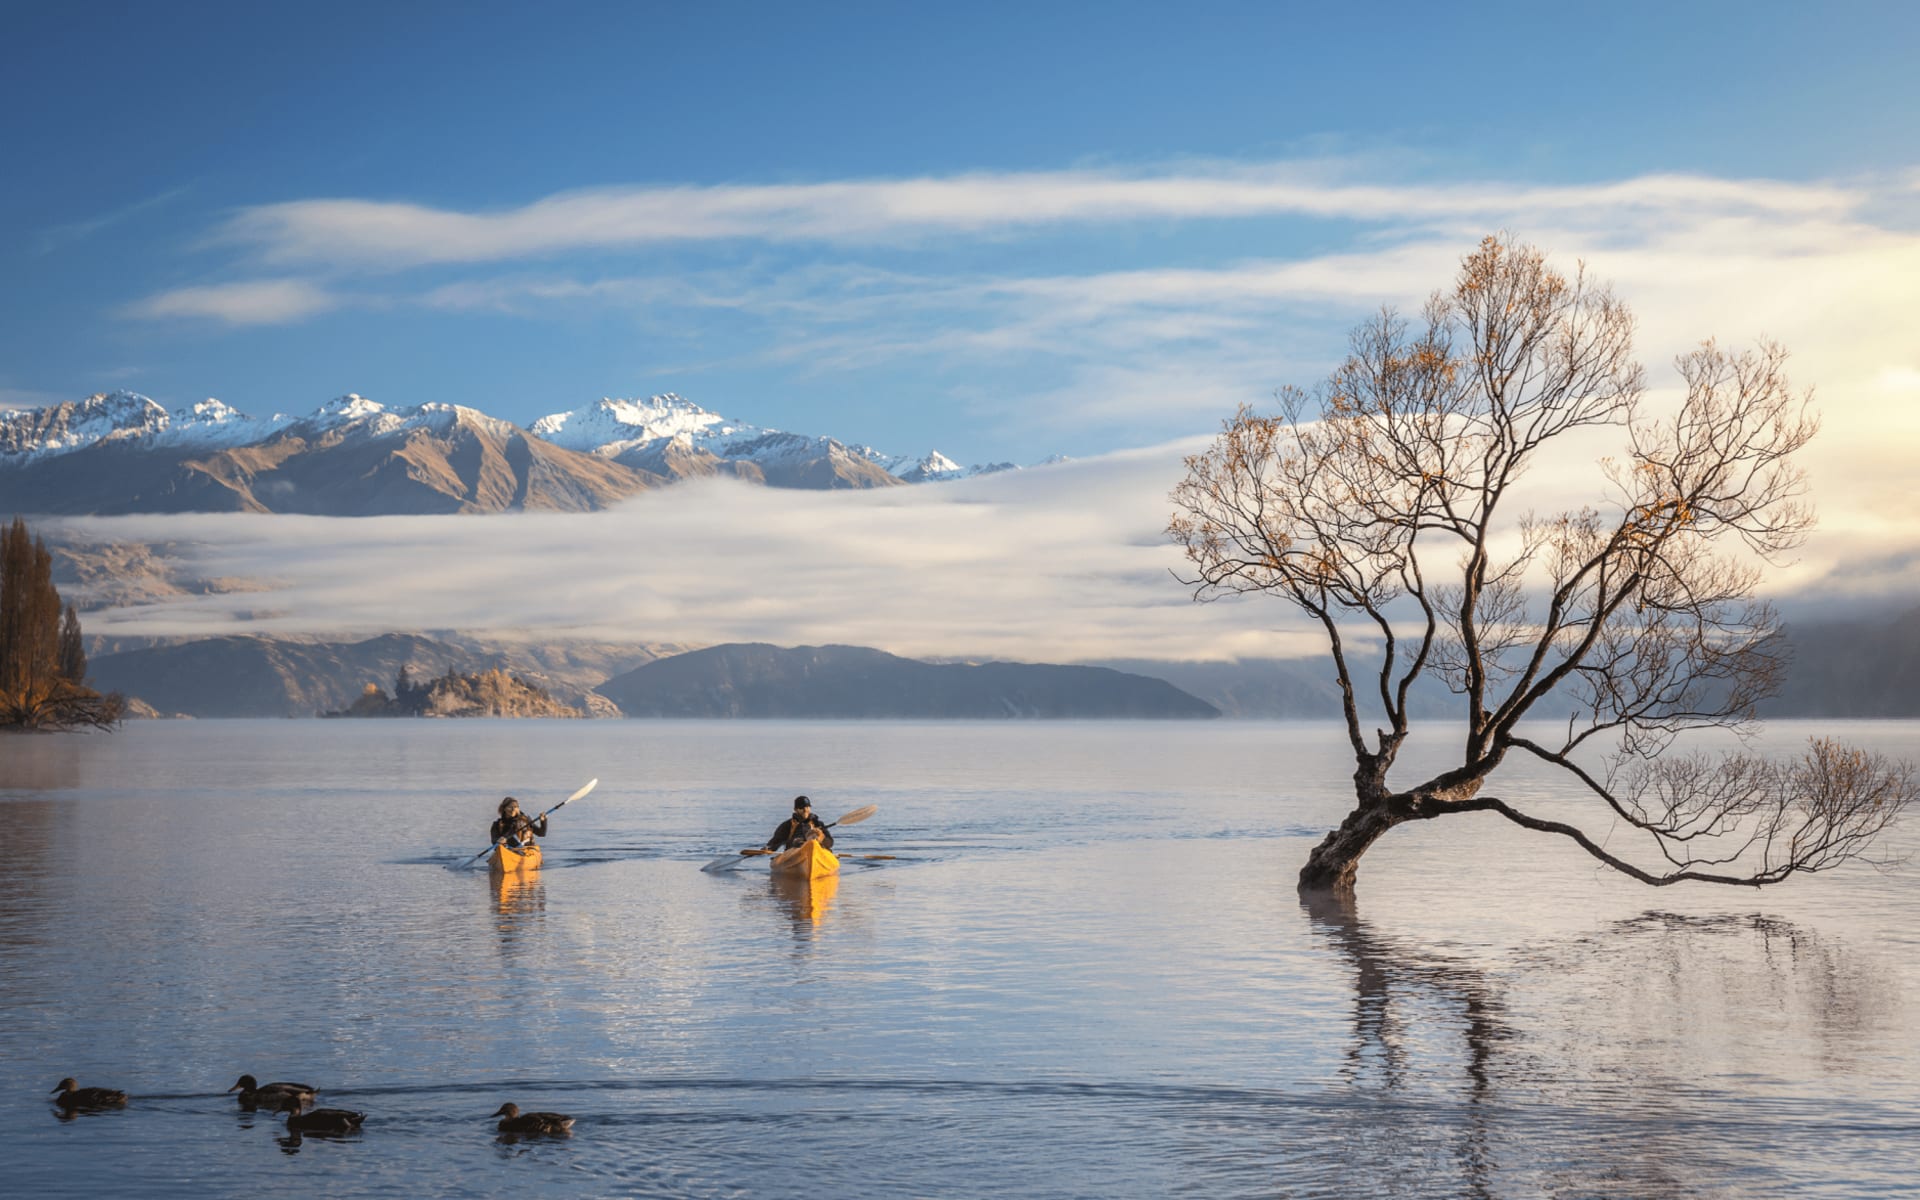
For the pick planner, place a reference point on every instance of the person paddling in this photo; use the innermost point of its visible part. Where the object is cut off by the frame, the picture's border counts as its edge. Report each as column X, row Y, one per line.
column 800, row 828
column 514, row 829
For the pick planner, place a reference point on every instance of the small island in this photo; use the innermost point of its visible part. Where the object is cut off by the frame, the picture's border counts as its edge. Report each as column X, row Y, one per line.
column 490, row 693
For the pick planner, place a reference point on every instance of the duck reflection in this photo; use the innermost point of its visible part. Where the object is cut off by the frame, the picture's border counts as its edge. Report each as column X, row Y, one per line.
column 806, row 901
column 291, row 1140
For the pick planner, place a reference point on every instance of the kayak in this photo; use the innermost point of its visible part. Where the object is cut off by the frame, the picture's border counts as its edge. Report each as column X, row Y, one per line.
column 527, row 858
column 809, row 860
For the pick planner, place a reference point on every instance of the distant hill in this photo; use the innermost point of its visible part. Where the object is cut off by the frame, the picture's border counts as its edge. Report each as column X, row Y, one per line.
column 1864, row 667
column 1288, row 688
column 304, row 677
column 1868, row 667
column 758, row 680
column 268, row 677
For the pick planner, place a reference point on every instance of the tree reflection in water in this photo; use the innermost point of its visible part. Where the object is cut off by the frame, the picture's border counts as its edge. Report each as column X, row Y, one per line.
column 1398, row 999
column 1602, row 1065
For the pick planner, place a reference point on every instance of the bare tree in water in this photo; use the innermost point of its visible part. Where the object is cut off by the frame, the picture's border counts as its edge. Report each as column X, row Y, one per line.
column 1380, row 506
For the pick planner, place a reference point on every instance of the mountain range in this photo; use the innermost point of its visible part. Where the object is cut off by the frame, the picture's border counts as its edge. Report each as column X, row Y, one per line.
column 278, row 677
column 122, row 452
column 1868, row 667
column 759, row 680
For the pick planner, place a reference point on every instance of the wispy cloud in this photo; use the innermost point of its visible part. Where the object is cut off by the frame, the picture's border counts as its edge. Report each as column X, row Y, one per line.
column 57, row 237
column 386, row 234
column 245, row 302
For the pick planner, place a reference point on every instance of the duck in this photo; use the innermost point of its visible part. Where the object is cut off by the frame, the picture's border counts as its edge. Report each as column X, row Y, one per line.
column 72, row 1095
column 320, row 1120
column 254, row 1094
column 534, row 1122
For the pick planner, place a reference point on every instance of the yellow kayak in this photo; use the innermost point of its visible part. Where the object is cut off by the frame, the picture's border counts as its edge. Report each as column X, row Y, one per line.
column 527, row 858
column 810, row 860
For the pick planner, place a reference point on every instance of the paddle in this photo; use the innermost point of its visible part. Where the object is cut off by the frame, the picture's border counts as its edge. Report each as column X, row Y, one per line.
column 853, row 818
column 591, row 784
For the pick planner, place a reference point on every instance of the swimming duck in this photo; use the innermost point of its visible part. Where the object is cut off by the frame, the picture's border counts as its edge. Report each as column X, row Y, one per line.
column 254, row 1094
column 533, row 1122
column 320, row 1120
column 72, row 1095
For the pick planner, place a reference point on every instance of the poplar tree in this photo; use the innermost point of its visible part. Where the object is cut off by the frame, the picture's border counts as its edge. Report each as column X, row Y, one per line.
column 43, row 658
column 73, row 648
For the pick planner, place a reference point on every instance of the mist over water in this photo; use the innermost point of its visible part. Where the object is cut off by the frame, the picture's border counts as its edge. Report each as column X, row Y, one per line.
column 1083, row 971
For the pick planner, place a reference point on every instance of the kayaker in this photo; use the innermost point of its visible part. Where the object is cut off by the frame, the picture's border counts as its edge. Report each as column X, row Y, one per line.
column 514, row 829
column 800, row 828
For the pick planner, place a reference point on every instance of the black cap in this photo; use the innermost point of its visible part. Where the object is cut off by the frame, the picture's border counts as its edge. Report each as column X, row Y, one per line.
column 802, row 802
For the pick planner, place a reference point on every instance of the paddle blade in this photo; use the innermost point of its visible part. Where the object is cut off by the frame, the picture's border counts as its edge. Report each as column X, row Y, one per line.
column 591, row 784
column 858, row 815
column 723, row 864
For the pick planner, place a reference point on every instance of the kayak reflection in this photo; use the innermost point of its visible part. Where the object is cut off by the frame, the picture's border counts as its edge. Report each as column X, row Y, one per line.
column 518, row 893
column 519, row 906
column 806, row 900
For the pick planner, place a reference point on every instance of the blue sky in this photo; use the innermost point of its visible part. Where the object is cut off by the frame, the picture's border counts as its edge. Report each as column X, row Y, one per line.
column 1001, row 230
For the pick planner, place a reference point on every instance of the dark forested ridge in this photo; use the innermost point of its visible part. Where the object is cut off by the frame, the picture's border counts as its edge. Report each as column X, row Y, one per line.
column 758, row 680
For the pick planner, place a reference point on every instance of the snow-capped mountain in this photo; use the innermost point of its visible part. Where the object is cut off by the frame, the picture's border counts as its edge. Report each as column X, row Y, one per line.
column 641, row 433
column 355, row 415
column 651, row 434
column 938, row 468
column 125, row 417
column 123, row 452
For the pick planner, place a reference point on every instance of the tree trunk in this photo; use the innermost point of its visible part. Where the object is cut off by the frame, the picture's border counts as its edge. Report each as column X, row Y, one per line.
column 1336, row 860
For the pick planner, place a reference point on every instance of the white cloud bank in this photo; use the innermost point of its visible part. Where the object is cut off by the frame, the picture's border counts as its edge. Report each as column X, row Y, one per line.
column 1056, row 564
column 1053, row 564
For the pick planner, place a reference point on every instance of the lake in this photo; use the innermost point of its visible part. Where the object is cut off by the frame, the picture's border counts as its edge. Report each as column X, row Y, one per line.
column 1083, row 970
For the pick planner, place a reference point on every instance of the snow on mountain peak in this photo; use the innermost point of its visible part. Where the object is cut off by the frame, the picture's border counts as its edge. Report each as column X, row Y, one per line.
column 350, row 407
column 58, row 428
column 214, row 423
column 611, row 427
column 210, row 412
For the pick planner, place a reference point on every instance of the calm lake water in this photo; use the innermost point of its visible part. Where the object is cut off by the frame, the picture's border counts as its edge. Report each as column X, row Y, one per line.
column 1084, row 972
